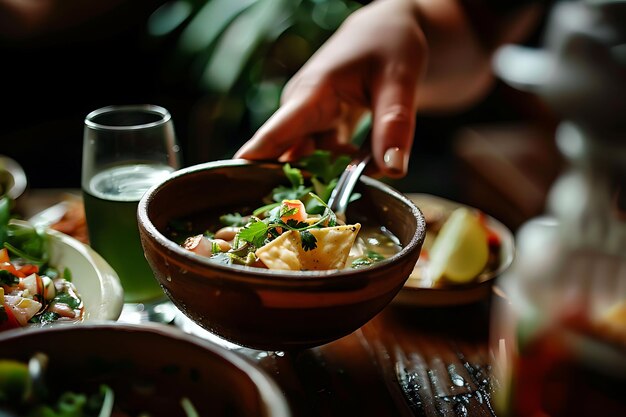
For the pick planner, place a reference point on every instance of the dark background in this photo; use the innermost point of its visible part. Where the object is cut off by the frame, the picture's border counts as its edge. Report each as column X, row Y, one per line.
column 50, row 83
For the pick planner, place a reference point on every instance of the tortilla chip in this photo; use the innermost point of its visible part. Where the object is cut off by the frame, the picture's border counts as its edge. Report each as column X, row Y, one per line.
column 281, row 253
column 333, row 248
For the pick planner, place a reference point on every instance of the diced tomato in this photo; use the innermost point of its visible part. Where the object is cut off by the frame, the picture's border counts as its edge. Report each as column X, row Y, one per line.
column 296, row 210
column 493, row 239
column 8, row 266
column 22, row 308
column 10, row 322
column 4, row 255
column 29, row 269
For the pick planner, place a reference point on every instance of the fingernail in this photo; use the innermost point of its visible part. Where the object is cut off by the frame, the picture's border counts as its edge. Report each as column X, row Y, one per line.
column 396, row 160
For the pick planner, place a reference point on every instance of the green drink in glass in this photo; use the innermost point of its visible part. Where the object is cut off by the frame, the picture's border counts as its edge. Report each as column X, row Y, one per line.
column 111, row 201
column 126, row 150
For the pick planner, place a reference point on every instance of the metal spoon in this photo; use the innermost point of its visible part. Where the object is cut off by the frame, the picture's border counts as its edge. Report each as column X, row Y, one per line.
column 340, row 197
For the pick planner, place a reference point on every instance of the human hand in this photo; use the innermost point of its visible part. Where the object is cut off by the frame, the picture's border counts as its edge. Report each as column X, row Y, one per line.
column 373, row 63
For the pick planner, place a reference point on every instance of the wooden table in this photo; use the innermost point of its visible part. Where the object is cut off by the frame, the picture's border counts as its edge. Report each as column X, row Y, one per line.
column 404, row 362
column 407, row 361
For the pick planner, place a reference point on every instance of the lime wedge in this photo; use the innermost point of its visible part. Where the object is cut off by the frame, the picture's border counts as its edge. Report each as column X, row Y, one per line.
column 460, row 251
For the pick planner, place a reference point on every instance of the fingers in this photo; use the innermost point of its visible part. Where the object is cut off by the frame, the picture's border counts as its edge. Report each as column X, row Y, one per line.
column 285, row 129
column 393, row 123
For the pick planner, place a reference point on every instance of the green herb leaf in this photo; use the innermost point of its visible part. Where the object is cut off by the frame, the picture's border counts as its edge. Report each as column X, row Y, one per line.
column 320, row 164
column 294, row 175
column 286, row 211
column 5, row 215
column 309, row 242
column 45, row 318
column 66, row 298
column 361, row 262
column 67, row 274
column 374, row 256
column 232, row 219
column 263, row 210
column 255, row 233
column 7, row 278
column 27, row 242
column 281, row 193
column 294, row 224
column 368, row 259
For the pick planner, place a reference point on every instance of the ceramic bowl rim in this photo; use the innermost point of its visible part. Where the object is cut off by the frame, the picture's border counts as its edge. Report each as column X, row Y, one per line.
column 277, row 277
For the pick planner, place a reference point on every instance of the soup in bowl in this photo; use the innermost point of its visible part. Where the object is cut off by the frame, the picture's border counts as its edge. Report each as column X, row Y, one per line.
column 272, row 309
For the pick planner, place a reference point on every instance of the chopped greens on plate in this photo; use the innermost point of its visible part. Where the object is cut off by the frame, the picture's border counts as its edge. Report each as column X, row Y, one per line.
column 32, row 290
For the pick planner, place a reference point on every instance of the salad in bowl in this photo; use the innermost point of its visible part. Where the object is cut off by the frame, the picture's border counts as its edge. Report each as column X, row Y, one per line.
column 47, row 277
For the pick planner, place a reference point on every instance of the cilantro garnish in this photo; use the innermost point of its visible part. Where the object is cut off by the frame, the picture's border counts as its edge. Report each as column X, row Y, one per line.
column 369, row 258
column 258, row 232
column 324, row 172
column 321, row 165
column 255, row 233
column 7, row 278
column 309, row 242
column 286, row 211
column 263, row 210
column 295, row 225
column 294, row 175
column 232, row 219
column 266, row 222
column 281, row 193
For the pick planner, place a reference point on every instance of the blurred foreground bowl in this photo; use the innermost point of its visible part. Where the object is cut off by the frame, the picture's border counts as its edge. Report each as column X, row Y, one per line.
column 270, row 309
column 150, row 368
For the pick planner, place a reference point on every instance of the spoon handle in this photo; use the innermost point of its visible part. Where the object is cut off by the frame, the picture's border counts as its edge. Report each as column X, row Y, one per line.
column 340, row 197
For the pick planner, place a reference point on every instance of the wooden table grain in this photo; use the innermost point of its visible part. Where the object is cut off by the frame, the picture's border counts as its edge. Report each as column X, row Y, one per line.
column 404, row 362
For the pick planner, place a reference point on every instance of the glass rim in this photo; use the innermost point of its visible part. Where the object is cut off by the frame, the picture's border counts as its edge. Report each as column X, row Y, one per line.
column 148, row 108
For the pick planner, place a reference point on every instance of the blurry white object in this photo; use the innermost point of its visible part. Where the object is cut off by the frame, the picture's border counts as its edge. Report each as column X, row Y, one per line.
column 557, row 324
column 12, row 177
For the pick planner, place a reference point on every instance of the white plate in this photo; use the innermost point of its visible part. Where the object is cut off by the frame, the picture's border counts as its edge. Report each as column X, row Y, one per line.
column 418, row 293
column 96, row 282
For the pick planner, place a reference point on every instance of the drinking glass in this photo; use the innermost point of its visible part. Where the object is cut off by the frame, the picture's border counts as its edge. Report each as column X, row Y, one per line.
column 126, row 150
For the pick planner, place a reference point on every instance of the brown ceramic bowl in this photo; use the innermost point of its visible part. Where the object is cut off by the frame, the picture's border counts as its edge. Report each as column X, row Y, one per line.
column 260, row 308
column 149, row 367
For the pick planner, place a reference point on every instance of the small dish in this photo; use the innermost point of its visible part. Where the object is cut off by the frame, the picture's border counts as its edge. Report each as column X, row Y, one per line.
column 416, row 292
column 96, row 282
